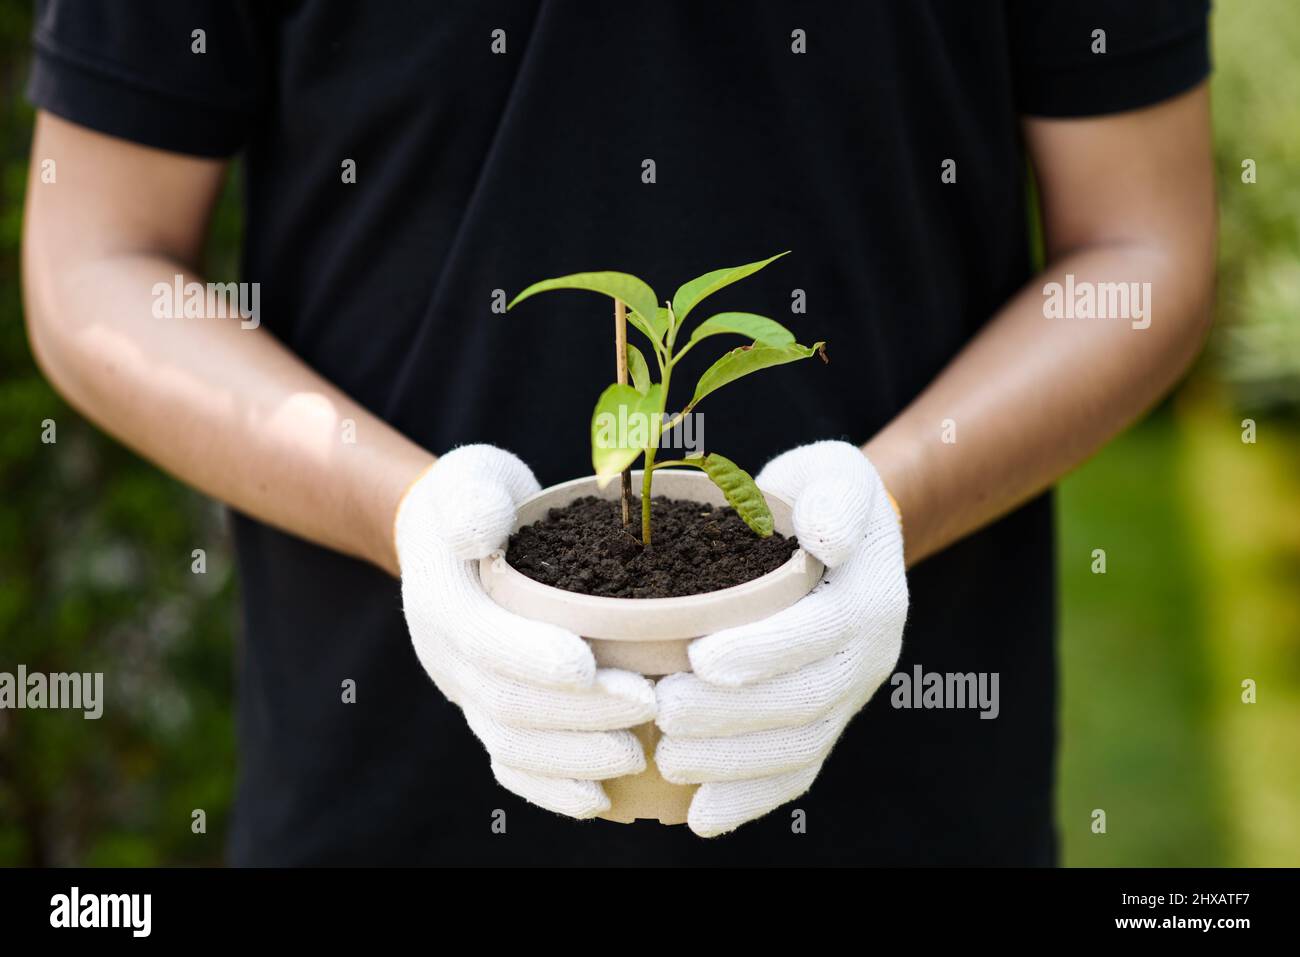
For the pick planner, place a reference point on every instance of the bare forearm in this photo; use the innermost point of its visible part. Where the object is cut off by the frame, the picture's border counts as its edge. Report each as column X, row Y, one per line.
column 226, row 409
column 1031, row 397
column 1125, row 198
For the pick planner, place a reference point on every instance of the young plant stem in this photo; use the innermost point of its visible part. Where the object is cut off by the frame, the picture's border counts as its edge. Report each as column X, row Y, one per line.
column 685, row 349
column 645, row 495
column 656, row 423
column 676, row 419
column 620, row 366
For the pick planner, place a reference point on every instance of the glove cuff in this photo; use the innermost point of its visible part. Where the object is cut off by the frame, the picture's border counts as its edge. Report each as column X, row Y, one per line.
column 898, row 512
column 401, row 502
column 467, row 499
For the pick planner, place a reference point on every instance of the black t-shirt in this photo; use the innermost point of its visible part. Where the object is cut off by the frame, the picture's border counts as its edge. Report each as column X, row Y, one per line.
column 479, row 170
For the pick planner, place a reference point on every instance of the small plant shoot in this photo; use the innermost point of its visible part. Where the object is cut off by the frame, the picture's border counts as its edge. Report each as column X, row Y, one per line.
column 645, row 400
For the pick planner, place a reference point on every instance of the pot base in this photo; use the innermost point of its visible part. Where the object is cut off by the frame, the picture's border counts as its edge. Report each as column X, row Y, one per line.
column 647, row 796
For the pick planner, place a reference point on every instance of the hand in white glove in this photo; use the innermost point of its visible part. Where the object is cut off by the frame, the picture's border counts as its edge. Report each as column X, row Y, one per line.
column 550, row 720
column 768, row 700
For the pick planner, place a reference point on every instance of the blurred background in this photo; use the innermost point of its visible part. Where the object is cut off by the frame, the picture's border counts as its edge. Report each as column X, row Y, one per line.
column 1201, row 532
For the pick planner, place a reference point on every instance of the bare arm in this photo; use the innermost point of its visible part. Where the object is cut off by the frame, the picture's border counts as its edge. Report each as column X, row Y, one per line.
column 1125, row 198
column 226, row 409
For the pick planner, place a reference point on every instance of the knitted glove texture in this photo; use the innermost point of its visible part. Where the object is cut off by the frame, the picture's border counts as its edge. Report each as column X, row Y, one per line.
column 767, row 701
column 554, row 725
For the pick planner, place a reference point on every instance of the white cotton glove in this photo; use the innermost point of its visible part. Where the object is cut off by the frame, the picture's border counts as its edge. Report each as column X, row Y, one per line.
column 552, row 722
column 768, row 700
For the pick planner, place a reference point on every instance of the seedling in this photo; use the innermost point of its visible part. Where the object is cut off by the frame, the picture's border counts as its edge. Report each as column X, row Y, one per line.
column 645, row 400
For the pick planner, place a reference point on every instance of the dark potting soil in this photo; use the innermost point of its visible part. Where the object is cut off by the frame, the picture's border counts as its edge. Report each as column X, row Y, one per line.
column 694, row 548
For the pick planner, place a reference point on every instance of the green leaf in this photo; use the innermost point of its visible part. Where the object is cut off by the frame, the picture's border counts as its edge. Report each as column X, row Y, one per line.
column 746, row 359
column 654, row 331
column 640, row 298
column 747, row 324
column 688, row 296
column 622, row 427
column 663, row 320
column 741, row 492
column 637, row 369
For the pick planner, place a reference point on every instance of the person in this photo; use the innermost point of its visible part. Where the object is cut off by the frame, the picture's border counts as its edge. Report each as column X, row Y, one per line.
column 404, row 170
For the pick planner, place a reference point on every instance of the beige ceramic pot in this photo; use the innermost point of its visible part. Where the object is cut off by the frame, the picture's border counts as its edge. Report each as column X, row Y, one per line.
column 648, row 635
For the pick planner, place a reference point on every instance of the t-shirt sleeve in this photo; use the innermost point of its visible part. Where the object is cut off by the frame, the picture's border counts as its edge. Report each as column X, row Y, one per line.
column 1072, row 58
column 185, row 77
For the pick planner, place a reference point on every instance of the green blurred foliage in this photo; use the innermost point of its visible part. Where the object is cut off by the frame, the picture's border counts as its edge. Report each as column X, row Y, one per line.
column 1257, row 123
column 1202, row 534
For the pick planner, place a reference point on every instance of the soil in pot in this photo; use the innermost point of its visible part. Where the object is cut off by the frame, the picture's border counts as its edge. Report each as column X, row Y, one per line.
column 696, row 548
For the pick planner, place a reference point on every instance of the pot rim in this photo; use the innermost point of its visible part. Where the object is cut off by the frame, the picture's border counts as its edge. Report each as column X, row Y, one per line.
column 801, row 565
